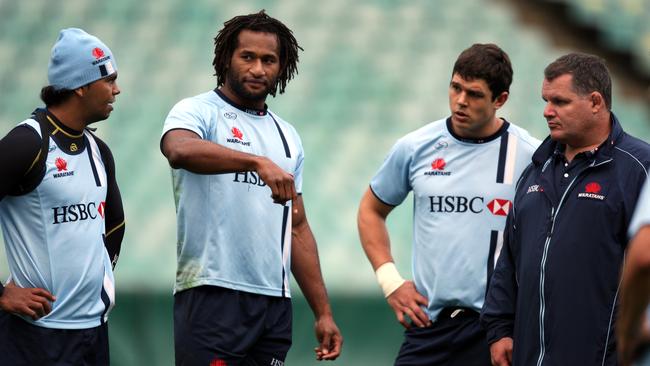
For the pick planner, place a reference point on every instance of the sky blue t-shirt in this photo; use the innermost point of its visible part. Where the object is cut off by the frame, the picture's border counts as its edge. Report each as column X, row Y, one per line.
column 230, row 233
column 462, row 191
column 54, row 237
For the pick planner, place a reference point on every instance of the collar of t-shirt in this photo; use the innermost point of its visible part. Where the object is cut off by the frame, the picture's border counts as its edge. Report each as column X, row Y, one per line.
column 67, row 139
column 482, row 140
column 253, row 111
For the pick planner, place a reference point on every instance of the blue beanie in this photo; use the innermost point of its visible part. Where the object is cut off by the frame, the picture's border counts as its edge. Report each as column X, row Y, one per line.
column 78, row 59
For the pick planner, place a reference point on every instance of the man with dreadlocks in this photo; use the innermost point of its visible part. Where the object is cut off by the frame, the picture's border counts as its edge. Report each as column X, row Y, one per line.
column 236, row 244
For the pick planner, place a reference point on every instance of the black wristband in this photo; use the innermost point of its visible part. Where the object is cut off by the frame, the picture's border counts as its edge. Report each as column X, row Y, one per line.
column 2, row 289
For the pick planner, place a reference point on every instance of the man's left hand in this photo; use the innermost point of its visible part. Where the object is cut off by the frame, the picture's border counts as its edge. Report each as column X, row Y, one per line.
column 329, row 339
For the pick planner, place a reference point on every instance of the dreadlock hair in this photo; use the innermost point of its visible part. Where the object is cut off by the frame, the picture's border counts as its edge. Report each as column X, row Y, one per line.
column 226, row 42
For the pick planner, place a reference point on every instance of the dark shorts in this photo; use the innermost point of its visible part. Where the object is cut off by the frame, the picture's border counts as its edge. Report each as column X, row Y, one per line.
column 457, row 341
column 25, row 344
column 214, row 326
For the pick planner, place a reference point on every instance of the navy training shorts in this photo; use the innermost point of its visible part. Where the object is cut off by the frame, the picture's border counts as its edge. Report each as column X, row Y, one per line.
column 215, row 326
column 449, row 341
column 25, row 344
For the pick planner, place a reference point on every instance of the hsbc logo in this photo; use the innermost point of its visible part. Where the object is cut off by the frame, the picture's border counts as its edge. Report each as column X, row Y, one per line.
column 499, row 207
column 77, row 212
column 462, row 204
column 238, row 137
column 458, row 204
column 249, row 178
column 535, row 188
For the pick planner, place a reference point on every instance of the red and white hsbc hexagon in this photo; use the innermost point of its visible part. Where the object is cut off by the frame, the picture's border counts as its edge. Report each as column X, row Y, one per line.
column 499, row 207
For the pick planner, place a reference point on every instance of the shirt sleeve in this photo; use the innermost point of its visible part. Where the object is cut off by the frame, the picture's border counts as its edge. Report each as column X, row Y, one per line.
column 114, row 222
column 297, row 174
column 641, row 215
column 392, row 183
column 18, row 153
column 186, row 115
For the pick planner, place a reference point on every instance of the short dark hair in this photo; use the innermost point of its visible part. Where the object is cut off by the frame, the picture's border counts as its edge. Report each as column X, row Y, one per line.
column 52, row 96
column 487, row 62
column 226, row 42
column 589, row 74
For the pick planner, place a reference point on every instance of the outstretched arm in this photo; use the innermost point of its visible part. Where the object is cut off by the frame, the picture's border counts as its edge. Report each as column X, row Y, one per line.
column 184, row 149
column 305, row 267
column 401, row 295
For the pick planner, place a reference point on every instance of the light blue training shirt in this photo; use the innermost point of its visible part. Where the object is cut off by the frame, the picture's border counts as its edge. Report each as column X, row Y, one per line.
column 230, row 233
column 462, row 191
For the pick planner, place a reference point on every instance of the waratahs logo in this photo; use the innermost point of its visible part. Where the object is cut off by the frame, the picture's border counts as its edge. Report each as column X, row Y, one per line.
column 61, row 168
column 61, row 165
column 592, row 191
column 592, row 187
column 98, row 53
column 438, row 168
column 438, row 164
column 237, row 133
column 238, row 137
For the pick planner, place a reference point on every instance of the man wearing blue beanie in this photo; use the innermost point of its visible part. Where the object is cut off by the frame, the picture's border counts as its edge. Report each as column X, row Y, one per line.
column 61, row 214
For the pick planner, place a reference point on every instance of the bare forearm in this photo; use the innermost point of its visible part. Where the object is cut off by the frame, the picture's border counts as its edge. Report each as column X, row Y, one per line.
column 205, row 157
column 305, row 266
column 371, row 222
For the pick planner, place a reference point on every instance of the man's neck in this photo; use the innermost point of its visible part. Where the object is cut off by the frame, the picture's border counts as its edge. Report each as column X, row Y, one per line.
column 68, row 116
column 252, row 104
column 488, row 130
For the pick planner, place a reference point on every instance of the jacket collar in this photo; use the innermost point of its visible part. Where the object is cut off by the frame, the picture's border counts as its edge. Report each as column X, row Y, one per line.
column 548, row 146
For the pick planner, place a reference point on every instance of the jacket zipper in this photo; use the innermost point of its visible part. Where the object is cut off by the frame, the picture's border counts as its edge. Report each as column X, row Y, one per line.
column 542, row 303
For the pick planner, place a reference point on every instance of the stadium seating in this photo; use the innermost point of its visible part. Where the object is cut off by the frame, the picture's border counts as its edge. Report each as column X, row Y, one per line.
column 624, row 24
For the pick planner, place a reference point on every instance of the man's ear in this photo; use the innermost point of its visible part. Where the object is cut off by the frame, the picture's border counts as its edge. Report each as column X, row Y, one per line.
column 81, row 91
column 597, row 102
column 501, row 100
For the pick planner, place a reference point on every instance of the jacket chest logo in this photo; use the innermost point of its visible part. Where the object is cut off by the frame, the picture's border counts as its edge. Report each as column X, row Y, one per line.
column 592, row 191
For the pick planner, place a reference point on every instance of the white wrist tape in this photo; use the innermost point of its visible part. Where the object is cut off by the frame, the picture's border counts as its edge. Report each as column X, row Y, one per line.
column 388, row 277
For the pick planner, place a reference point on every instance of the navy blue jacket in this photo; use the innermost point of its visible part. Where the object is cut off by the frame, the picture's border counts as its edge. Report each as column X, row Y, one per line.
column 555, row 285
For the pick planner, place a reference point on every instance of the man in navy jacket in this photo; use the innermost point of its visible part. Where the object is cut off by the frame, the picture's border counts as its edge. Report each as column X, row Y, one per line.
column 554, row 291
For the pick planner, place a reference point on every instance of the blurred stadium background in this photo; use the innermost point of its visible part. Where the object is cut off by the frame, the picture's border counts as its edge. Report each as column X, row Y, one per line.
column 372, row 70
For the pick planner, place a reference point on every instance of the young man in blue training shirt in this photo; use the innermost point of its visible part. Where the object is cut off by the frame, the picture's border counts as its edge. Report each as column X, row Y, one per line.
column 61, row 214
column 553, row 296
column 241, row 221
column 462, row 171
